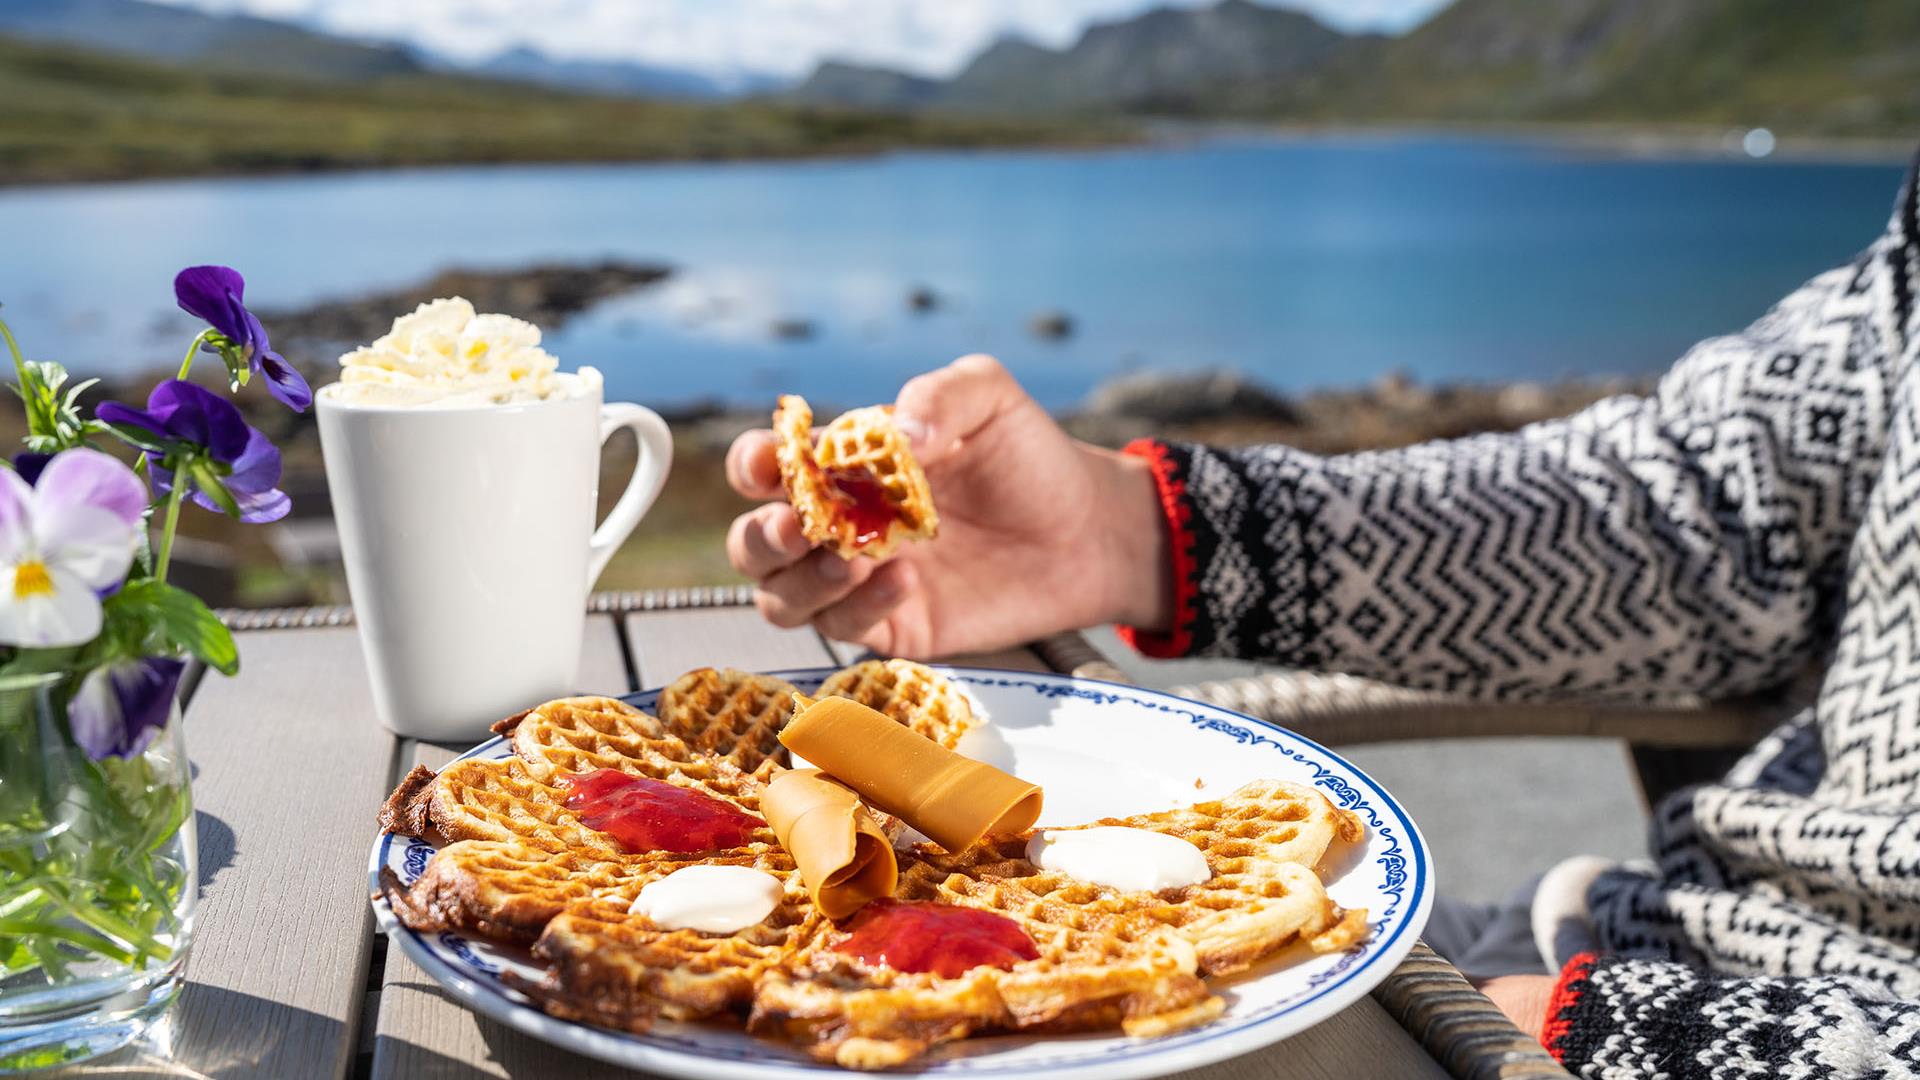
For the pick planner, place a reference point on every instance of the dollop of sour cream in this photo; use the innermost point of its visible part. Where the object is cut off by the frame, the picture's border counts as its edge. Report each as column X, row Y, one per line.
column 710, row 899
column 1131, row 860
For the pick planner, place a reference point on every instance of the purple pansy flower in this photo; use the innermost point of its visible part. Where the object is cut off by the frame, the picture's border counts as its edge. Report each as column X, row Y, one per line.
column 214, row 293
column 182, row 412
column 120, row 708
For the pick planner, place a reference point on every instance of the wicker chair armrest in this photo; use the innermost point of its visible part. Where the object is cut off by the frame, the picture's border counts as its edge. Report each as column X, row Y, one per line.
column 1344, row 709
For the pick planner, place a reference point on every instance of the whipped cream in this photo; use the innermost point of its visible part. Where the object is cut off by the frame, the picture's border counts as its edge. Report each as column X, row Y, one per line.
column 445, row 354
column 710, row 899
column 1131, row 860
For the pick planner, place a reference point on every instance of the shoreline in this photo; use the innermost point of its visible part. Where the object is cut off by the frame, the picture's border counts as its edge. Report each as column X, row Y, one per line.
column 1654, row 143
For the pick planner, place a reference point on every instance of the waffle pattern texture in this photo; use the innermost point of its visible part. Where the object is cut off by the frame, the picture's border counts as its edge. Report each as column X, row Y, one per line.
column 1759, row 512
column 519, row 866
column 863, row 440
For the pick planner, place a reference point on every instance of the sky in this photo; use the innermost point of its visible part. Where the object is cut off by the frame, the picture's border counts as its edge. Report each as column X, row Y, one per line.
column 730, row 37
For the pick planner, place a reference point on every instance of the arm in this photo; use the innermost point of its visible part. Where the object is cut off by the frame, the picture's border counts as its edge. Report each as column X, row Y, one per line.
column 1612, row 1016
column 1690, row 541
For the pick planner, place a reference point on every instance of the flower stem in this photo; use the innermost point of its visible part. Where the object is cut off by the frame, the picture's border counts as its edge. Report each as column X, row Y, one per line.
column 19, row 359
column 167, row 527
column 193, row 350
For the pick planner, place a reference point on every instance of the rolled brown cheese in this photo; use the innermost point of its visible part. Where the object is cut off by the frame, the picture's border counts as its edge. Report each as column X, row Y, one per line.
column 843, row 856
column 955, row 800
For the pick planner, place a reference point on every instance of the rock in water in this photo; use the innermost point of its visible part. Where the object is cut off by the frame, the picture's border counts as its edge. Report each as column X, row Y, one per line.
column 1180, row 398
column 1052, row 325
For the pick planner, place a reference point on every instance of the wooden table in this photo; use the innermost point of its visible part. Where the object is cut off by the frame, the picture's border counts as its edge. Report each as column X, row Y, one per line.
column 288, row 978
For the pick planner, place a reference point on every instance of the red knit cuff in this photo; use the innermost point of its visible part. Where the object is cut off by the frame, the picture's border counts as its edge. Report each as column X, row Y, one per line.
column 1566, row 992
column 1179, row 515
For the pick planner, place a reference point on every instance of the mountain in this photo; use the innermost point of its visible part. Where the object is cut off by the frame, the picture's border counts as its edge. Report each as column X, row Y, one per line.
column 1841, row 68
column 1166, row 60
column 184, row 35
column 1236, row 54
column 615, row 78
column 1831, row 67
column 860, row 87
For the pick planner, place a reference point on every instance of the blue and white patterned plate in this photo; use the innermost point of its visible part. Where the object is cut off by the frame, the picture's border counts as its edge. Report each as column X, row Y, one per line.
column 1099, row 749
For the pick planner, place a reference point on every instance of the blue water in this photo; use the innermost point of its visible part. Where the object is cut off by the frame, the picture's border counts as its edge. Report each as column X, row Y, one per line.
column 1308, row 262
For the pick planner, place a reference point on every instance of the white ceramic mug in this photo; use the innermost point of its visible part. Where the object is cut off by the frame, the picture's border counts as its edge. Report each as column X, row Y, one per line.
column 470, row 545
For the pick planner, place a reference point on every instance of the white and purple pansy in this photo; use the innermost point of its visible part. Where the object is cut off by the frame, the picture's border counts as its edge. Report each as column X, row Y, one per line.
column 64, row 540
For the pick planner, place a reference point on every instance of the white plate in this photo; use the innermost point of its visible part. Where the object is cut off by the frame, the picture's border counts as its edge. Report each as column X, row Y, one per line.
column 1099, row 749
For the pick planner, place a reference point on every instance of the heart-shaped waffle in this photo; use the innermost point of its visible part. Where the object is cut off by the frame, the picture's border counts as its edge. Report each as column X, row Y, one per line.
column 915, row 695
column 1094, row 969
column 856, row 488
column 733, row 715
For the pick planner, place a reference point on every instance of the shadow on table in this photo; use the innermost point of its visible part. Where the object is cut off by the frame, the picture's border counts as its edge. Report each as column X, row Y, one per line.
column 217, row 845
column 509, row 1052
column 226, row 1034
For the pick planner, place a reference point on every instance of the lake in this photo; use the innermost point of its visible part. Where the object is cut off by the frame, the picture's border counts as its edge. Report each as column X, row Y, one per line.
column 1307, row 262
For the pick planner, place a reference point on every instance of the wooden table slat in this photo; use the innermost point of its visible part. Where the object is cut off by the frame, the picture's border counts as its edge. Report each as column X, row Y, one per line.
column 291, row 765
column 667, row 644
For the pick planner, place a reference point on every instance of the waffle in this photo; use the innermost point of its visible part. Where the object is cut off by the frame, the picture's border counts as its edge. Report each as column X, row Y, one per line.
column 1096, row 969
column 609, row 967
column 1261, row 842
column 518, row 866
column 733, row 715
column 864, row 439
column 912, row 694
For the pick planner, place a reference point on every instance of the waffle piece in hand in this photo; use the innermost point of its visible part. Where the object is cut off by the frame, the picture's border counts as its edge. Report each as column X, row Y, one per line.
column 1094, row 969
column 857, row 488
column 913, row 694
column 733, row 715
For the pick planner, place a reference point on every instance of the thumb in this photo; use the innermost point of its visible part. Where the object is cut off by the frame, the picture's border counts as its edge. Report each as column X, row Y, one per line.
column 941, row 409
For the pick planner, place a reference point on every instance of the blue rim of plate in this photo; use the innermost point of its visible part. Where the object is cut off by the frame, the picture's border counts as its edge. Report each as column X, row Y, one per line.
column 1406, row 862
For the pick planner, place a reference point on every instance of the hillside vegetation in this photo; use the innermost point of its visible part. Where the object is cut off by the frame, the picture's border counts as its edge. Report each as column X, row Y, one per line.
column 72, row 114
column 1828, row 68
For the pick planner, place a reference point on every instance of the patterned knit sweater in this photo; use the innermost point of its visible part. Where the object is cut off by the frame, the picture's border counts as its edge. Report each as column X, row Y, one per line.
column 1761, row 508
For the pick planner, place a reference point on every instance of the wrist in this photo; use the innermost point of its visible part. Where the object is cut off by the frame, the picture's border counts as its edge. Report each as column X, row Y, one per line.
column 1136, row 562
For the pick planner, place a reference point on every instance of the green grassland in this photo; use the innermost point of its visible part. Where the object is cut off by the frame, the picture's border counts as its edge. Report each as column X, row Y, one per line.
column 67, row 114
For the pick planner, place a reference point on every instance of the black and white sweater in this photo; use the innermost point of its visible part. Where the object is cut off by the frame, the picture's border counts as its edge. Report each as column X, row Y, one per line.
column 1760, row 508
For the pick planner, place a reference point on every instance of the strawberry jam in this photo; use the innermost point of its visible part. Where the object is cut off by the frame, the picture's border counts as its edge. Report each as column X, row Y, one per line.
column 643, row 814
column 938, row 938
column 864, row 502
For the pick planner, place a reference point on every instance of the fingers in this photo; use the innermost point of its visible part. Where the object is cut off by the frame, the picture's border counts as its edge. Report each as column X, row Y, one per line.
column 765, row 539
column 798, row 594
column 751, row 465
column 942, row 408
column 861, row 616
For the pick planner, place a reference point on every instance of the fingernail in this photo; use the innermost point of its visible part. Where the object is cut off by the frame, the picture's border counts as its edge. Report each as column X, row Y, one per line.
column 914, row 428
column 835, row 569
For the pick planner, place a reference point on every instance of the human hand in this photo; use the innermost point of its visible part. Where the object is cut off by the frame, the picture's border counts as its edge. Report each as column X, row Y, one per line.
column 1038, row 532
column 1524, row 998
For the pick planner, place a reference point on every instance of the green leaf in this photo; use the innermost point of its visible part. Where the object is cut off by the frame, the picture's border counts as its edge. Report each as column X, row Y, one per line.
column 184, row 621
column 134, row 436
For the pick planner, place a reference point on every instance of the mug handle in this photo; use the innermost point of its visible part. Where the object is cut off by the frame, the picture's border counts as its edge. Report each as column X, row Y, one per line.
column 649, row 476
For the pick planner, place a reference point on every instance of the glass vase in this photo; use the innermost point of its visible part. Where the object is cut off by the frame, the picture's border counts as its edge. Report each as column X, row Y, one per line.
column 97, row 881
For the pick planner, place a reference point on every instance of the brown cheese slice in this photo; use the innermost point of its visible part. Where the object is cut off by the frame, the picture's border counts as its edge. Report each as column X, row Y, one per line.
column 953, row 799
column 843, row 856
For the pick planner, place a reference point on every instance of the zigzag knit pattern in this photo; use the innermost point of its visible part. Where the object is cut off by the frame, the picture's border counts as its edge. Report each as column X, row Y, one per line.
column 1759, row 509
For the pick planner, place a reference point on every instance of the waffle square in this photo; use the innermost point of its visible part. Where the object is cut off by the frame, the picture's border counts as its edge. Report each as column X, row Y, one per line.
column 864, row 439
column 912, row 694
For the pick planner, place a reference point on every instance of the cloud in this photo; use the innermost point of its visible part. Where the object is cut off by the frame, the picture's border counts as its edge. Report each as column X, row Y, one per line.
column 785, row 37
